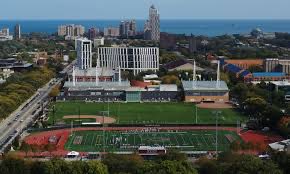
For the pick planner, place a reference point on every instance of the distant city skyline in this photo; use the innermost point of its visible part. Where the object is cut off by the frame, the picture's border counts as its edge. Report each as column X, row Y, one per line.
column 132, row 9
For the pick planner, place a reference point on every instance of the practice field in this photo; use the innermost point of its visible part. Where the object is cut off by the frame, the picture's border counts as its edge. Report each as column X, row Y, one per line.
column 146, row 113
column 116, row 141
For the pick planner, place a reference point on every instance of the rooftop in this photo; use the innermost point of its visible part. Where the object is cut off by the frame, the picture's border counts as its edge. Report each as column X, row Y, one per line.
column 205, row 85
column 107, row 72
column 101, row 85
column 179, row 62
column 281, row 145
column 268, row 74
column 170, row 87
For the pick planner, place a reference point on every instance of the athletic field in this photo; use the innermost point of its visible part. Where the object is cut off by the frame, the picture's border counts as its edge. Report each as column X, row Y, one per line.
column 199, row 140
column 146, row 113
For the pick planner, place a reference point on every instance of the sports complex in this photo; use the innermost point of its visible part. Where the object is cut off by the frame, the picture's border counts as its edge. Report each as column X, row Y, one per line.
column 129, row 139
column 151, row 126
column 134, row 125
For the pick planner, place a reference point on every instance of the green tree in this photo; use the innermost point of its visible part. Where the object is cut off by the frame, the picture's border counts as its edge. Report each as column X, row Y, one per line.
column 255, row 106
column 25, row 147
column 96, row 167
column 123, row 163
column 207, row 166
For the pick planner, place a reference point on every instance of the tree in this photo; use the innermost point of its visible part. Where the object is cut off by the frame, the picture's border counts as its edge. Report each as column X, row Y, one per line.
column 283, row 160
column 225, row 77
column 271, row 116
column 255, row 68
column 25, row 147
column 13, row 165
column 123, row 163
column 173, row 155
column 167, row 167
column 207, row 166
column 170, row 79
column 15, row 142
column 240, row 91
column 251, row 165
column 54, row 92
column 50, row 148
column 96, row 167
column 255, row 106
column 38, row 167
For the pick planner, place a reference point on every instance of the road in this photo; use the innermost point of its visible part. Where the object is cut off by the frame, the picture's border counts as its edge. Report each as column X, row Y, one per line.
column 22, row 118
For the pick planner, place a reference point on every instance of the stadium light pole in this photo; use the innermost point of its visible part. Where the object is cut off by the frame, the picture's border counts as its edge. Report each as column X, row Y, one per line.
column 53, row 114
column 79, row 115
column 195, row 114
column 238, row 126
column 71, row 128
column 216, row 113
column 118, row 112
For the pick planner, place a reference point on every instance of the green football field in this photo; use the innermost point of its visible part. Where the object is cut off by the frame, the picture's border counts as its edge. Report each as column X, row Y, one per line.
column 199, row 140
column 146, row 113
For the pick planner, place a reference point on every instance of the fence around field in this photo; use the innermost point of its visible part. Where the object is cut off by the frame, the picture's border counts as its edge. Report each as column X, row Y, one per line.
column 65, row 126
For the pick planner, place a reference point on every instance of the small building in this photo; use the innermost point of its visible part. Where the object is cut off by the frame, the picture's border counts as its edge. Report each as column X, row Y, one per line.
column 153, row 93
column 266, row 76
column 180, row 65
column 151, row 150
column 234, row 68
column 15, row 65
column 89, row 75
column 205, row 91
column 92, row 91
column 281, row 146
column 99, row 42
column 245, row 63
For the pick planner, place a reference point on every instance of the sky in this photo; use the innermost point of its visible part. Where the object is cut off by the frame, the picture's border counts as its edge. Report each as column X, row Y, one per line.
column 138, row 9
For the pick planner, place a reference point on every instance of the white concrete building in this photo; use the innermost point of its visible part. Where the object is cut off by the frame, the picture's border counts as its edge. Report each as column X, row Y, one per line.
column 99, row 42
column 4, row 34
column 84, row 53
column 135, row 59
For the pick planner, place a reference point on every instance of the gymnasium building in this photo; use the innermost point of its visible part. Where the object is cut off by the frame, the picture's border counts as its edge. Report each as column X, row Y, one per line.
column 205, row 91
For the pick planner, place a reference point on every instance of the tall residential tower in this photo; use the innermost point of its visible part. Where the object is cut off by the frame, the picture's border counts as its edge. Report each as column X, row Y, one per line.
column 152, row 26
column 17, row 32
column 84, row 53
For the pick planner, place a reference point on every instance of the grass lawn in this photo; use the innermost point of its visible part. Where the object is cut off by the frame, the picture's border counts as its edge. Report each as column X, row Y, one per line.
column 93, row 141
column 147, row 113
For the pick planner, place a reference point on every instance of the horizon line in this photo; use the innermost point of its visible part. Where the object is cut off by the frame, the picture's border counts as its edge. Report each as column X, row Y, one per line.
column 69, row 19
